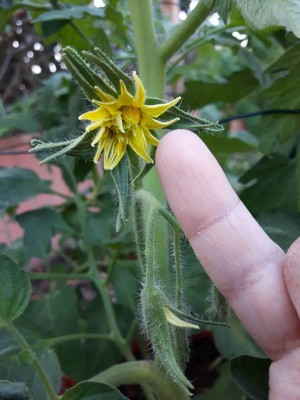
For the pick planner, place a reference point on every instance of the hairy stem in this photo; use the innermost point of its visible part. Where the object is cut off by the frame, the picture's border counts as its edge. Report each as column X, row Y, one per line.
column 137, row 372
column 151, row 70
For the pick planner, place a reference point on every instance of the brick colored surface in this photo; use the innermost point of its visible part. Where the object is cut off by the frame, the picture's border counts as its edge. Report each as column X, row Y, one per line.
column 12, row 231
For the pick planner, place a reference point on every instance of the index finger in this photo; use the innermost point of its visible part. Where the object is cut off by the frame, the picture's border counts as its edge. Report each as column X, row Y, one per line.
column 243, row 262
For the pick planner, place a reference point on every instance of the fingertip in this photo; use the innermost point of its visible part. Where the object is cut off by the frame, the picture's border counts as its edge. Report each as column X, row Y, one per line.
column 173, row 143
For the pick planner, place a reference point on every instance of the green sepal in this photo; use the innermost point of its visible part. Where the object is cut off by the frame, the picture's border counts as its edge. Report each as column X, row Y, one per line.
column 158, row 330
column 193, row 318
column 186, row 121
column 180, row 346
column 88, row 90
column 113, row 78
column 120, row 176
column 85, row 76
column 79, row 147
column 147, row 168
column 129, row 83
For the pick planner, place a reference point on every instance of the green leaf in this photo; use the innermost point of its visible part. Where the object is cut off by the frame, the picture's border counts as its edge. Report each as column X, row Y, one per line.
column 101, row 354
column 223, row 388
column 39, row 226
column 120, row 176
column 51, row 27
column 19, row 121
column 269, row 13
column 75, row 12
column 13, row 391
column 252, row 376
column 237, row 86
column 282, row 94
column 33, row 4
column 15, row 290
column 19, row 184
column 223, row 8
column 6, row 4
column 235, row 341
column 93, row 391
column 13, row 371
column 272, row 184
column 282, row 227
column 97, row 228
column 227, row 145
column 54, row 320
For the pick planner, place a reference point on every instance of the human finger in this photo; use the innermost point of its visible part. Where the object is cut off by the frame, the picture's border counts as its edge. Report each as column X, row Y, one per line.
column 292, row 273
column 243, row 262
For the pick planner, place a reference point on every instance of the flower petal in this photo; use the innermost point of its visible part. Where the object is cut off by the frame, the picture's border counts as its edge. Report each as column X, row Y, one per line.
column 99, row 135
column 119, row 122
column 156, row 110
column 101, row 145
column 138, row 144
column 116, row 153
column 94, row 115
column 104, row 96
column 152, row 123
column 150, row 138
column 111, row 107
column 125, row 98
column 140, row 95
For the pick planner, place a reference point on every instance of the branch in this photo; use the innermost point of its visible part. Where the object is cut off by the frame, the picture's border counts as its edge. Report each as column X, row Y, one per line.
column 183, row 31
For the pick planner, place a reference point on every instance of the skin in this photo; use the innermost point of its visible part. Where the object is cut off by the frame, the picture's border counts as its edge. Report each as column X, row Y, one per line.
column 260, row 282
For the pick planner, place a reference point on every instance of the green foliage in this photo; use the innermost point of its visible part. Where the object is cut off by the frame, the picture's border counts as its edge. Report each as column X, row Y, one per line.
column 251, row 374
column 13, row 190
column 13, row 390
column 93, row 390
column 39, row 227
column 274, row 177
column 84, row 315
column 16, row 370
column 75, row 12
column 271, row 13
column 223, row 388
column 120, row 176
column 15, row 292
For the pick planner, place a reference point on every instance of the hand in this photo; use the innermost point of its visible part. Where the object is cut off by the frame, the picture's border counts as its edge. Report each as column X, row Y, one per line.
column 260, row 282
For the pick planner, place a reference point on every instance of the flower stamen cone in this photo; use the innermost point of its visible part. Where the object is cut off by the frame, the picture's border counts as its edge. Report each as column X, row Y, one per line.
column 125, row 121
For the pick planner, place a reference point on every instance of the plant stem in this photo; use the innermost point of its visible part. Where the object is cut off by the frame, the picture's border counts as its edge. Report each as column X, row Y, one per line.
column 152, row 73
column 38, row 366
column 146, row 44
column 185, row 30
column 178, row 275
column 137, row 372
column 111, row 268
column 103, row 291
column 76, row 336
column 150, row 246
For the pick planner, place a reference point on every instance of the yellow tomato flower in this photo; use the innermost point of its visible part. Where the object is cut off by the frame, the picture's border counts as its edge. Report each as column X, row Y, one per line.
column 125, row 121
